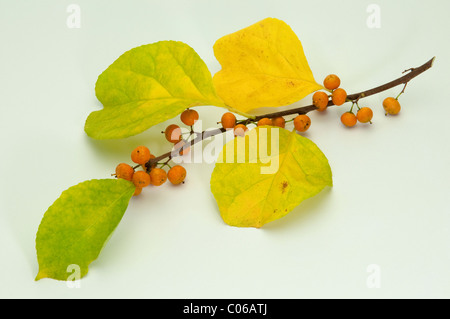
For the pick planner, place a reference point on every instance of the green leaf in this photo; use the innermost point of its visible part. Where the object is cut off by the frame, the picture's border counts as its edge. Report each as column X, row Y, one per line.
column 262, row 177
column 78, row 224
column 149, row 85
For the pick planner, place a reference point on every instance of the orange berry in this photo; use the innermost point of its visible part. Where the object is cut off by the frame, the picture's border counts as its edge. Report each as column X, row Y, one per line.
column 173, row 133
column 279, row 121
column 391, row 106
column 339, row 96
column 348, row 119
column 158, row 176
column 141, row 179
column 265, row 121
column 364, row 115
column 124, row 171
column 332, row 82
column 137, row 191
column 240, row 129
column 189, row 117
column 302, row 123
column 140, row 155
column 228, row 120
column 176, row 174
column 185, row 150
column 183, row 147
column 320, row 100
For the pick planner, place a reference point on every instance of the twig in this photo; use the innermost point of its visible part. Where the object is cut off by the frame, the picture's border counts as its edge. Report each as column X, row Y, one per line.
column 413, row 72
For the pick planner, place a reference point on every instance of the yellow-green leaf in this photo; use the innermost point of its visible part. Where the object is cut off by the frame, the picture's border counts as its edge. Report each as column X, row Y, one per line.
column 149, row 85
column 262, row 177
column 78, row 224
column 263, row 65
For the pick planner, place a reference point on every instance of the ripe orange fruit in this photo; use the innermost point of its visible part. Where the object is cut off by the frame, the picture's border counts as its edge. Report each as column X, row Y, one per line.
column 320, row 100
column 265, row 121
column 140, row 155
column 141, row 179
column 279, row 121
column 176, row 174
column 302, row 123
column 339, row 96
column 158, row 176
column 364, row 115
column 348, row 119
column 331, row 82
column 391, row 106
column 185, row 150
column 183, row 147
column 240, row 129
column 228, row 120
column 189, row 117
column 173, row 133
column 124, row 171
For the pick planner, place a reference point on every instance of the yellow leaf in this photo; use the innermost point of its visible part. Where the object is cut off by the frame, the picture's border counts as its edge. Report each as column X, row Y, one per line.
column 263, row 65
column 262, row 177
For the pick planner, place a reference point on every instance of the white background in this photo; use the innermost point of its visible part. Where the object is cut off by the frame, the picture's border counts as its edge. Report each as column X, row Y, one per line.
column 388, row 207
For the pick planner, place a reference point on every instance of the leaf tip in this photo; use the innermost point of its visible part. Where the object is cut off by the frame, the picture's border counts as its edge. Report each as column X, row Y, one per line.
column 40, row 276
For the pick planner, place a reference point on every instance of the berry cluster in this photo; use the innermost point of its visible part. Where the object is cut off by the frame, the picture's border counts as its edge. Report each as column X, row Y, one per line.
column 228, row 121
column 339, row 96
column 151, row 175
column 365, row 114
column 174, row 134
